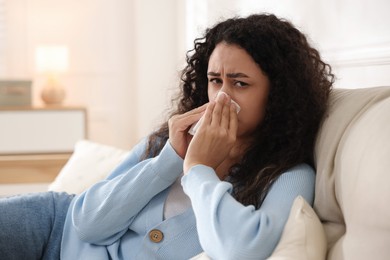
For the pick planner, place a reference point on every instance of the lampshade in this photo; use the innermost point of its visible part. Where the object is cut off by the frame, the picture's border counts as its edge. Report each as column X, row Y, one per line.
column 52, row 59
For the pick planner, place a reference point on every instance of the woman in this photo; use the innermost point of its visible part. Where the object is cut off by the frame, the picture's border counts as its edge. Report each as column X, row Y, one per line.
column 259, row 92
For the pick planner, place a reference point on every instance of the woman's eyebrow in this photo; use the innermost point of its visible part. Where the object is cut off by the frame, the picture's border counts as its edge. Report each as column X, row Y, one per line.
column 213, row 74
column 237, row 75
column 229, row 75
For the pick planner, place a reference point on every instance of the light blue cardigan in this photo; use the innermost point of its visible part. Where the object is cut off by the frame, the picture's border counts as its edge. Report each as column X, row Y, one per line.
column 112, row 219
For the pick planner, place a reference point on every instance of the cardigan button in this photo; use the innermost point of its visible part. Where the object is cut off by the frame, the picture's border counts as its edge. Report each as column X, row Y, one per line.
column 156, row 235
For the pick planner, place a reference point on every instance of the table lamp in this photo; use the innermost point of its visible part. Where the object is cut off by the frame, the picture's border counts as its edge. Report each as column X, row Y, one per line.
column 51, row 61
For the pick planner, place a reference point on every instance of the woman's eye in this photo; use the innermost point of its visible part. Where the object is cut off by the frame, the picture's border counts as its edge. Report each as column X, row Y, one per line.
column 240, row 84
column 215, row 81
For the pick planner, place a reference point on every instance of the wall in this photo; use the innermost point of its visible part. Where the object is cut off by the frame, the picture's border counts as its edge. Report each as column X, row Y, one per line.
column 100, row 46
column 125, row 54
column 159, row 47
column 122, row 58
column 352, row 35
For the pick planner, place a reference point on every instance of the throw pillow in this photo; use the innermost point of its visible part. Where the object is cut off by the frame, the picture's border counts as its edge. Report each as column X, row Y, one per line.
column 303, row 236
column 89, row 163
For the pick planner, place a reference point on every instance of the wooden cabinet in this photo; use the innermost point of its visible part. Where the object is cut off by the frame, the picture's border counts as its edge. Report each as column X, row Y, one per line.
column 32, row 168
column 35, row 143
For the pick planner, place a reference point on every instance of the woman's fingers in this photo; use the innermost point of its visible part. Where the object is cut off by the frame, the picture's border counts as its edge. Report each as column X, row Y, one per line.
column 225, row 116
column 216, row 136
column 233, row 121
column 194, row 112
column 183, row 121
column 194, row 115
column 207, row 117
column 178, row 127
column 217, row 112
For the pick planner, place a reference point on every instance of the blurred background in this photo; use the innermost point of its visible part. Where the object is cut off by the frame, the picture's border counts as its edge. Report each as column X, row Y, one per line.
column 123, row 57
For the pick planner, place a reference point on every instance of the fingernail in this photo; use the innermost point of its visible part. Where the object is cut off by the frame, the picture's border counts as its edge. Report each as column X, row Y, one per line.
column 221, row 96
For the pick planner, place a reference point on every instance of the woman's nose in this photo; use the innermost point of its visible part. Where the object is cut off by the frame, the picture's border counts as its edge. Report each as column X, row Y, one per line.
column 225, row 89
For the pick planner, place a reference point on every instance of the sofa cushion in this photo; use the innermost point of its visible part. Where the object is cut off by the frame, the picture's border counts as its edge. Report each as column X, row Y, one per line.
column 89, row 163
column 353, row 162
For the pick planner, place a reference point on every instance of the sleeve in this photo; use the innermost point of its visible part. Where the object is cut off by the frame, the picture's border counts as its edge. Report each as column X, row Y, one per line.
column 229, row 230
column 103, row 213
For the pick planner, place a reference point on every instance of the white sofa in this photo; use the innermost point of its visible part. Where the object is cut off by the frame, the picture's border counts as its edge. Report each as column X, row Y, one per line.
column 351, row 216
column 353, row 174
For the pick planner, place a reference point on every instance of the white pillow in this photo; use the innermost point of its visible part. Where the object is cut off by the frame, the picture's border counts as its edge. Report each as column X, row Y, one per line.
column 89, row 163
column 303, row 236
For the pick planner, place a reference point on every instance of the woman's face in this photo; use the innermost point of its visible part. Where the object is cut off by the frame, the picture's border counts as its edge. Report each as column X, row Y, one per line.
column 232, row 70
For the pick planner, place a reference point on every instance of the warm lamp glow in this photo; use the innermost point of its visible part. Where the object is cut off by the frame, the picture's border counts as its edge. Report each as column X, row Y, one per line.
column 52, row 61
column 51, row 58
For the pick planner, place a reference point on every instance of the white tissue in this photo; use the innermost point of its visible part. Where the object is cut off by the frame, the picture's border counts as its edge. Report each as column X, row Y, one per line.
column 196, row 125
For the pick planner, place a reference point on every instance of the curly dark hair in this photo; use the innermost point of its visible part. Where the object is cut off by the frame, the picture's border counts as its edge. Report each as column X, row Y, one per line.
column 300, row 83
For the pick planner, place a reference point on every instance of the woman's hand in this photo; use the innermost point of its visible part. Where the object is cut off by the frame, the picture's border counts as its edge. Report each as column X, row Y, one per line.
column 215, row 137
column 178, row 128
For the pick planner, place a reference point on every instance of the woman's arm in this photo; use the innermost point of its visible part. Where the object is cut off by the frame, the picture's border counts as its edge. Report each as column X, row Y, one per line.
column 230, row 230
column 104, row 212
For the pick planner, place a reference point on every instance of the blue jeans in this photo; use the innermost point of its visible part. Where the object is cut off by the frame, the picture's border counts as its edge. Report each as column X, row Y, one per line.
column 31, row 225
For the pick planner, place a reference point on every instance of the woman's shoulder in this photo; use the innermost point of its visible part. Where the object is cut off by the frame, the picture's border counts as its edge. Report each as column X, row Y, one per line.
column 302, row 172
column 297, row 180
column 302, row 167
